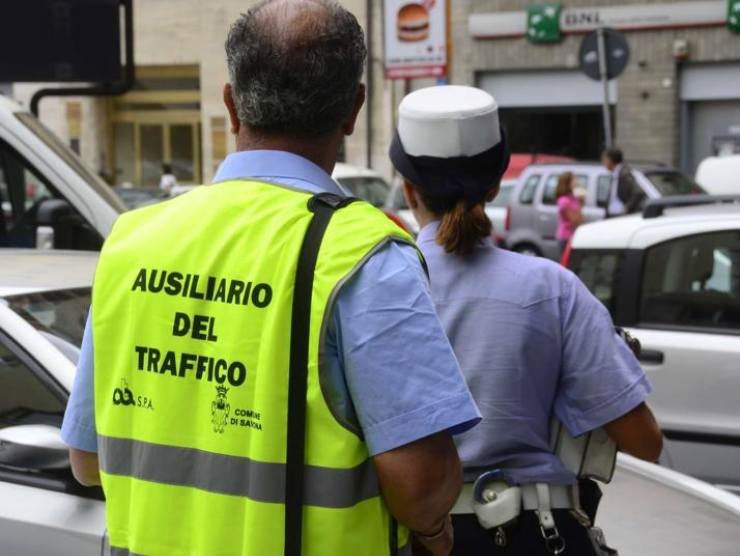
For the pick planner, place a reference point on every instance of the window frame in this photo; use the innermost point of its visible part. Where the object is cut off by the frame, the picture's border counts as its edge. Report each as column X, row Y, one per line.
column 35, row 479
column 534, row 188
column 637, row 320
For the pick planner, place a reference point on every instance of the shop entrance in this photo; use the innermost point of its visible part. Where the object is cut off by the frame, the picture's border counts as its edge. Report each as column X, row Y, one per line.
column 157, row 123
column 577, row 132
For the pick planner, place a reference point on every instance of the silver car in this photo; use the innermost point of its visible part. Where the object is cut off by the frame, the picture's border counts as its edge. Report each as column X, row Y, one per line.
column 533, row 213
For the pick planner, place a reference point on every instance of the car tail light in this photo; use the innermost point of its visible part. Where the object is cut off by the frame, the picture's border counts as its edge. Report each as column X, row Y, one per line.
column 397, row 221
column 566, row 253
column 507, row 223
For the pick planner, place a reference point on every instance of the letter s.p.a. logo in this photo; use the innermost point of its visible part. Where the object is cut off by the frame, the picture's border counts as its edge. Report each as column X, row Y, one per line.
column 123, row 395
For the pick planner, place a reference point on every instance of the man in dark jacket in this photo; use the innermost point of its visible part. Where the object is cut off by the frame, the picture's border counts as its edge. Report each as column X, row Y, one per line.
column 626, row 196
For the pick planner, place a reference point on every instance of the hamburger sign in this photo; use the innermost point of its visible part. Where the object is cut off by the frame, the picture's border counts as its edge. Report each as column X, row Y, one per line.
column 415, row 38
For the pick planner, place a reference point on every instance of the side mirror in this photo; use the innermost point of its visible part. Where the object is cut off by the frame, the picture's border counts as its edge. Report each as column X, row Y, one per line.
column 44, row 237
column 36, row 447
column 60, row 226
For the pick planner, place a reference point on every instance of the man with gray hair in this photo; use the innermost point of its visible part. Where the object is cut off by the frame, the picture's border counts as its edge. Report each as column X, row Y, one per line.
column 300, row 393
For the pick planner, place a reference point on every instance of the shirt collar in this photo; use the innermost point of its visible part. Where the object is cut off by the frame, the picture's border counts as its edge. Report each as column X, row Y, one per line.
column 277, row 166
column 428, row 233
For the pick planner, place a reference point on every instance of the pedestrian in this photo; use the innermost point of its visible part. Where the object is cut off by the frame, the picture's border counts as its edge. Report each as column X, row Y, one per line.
column 168, row 181
column 570, row 214
column 533, row 343
column 268, row 372
column 625, row 195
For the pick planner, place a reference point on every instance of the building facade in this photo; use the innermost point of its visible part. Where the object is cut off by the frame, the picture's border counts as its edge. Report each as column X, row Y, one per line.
column 677, row 101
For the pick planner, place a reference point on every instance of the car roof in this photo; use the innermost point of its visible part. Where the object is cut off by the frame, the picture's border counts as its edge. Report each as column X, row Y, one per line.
column 342, row 170
column 615, row 233
column 25, row 271
column 9, row 105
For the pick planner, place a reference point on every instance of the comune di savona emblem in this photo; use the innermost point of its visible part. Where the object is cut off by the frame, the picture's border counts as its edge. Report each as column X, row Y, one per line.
column 220, row 409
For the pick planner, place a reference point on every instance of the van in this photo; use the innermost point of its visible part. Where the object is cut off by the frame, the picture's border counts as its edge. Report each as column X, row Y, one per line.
column 48, row 198
column 720, row 175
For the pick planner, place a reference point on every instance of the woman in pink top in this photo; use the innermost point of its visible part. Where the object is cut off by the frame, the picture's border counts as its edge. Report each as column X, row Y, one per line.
column 569, row 209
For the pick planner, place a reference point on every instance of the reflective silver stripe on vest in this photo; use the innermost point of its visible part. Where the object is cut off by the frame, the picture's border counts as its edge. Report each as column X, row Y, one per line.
column 122, row 552
column 232, row 475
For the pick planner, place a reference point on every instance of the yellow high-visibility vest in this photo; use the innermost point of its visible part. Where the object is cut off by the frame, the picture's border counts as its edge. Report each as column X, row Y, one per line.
column 192, row 318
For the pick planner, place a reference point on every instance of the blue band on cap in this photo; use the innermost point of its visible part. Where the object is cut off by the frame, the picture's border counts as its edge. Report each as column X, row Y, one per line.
column 464, row 177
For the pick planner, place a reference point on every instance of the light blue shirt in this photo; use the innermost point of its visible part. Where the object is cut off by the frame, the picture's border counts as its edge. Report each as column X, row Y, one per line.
column 532, row 342
column 394, row 378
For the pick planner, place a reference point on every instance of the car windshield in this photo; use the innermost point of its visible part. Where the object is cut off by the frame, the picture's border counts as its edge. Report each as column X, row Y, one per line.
column 58, row 315
column 503, row 197
column 372, row 189
column 673, row 183
column 140, row 196
column 71, row 160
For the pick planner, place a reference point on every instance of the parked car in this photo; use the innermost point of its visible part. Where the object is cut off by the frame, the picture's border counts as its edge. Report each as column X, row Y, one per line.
column 44, row 297
column 533, row 217
column 498, row 209
column 521, row 161
column 47, row 195
column 369, row 186
column 720, row 175
column 135, row 197
column 671, row 277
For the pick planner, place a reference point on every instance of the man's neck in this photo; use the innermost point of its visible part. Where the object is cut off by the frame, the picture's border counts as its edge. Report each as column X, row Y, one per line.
column 321, row 151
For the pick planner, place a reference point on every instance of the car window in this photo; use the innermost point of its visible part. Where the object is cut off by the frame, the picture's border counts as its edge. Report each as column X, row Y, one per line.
column 694, row 282
column 24, row 398
column 371, row 189
column 60, row 313
column 599, row 272
column 22, row 191
column 673, row 183
column 530, row 188
column 603, row 190
column 551, row 187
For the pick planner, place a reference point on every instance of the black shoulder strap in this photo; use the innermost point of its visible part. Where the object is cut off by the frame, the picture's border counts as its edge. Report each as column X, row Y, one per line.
column 323, row 207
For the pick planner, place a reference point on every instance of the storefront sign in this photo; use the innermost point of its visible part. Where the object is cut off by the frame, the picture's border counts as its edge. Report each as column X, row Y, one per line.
column 415, row 38
column 627, row 18
column 543, row 23
column 733, row 15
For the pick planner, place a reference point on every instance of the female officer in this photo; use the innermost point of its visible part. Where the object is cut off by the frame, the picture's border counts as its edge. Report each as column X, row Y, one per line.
column 533, row 343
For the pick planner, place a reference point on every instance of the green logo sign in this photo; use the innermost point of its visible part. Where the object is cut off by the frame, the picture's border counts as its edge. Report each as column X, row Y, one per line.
column 543, row 22
column 733, row 15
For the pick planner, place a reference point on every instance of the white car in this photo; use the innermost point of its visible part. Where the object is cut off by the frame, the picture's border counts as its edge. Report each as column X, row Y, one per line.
column 671, row 277
column 44, row 298
column 48, row 198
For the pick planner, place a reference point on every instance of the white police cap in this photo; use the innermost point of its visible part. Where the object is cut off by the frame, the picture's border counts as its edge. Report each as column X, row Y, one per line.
column 449, row 142
column 448, row 121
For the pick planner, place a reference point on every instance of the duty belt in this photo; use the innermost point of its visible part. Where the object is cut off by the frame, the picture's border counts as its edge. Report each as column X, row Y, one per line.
column 562, row 497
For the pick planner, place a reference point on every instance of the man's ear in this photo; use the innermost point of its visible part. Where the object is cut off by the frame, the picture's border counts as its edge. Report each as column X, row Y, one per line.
column 231, row 108
column 349, row 126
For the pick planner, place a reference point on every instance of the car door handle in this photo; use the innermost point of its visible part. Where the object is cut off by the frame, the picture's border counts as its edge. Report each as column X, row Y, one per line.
column 652, row 356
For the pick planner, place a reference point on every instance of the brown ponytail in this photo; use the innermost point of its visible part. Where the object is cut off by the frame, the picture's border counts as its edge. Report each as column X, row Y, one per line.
column 462, row 228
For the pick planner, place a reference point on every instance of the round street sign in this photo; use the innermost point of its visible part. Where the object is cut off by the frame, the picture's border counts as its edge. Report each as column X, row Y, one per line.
column 617, row 54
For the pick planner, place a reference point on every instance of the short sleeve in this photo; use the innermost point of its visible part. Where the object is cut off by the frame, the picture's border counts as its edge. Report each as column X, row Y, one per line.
column 601, row 379
column 401, row 374
column 78, row 427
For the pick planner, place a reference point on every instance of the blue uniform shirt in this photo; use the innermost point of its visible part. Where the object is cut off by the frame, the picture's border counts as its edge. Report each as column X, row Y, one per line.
column 394, row 376
column 532, row 342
